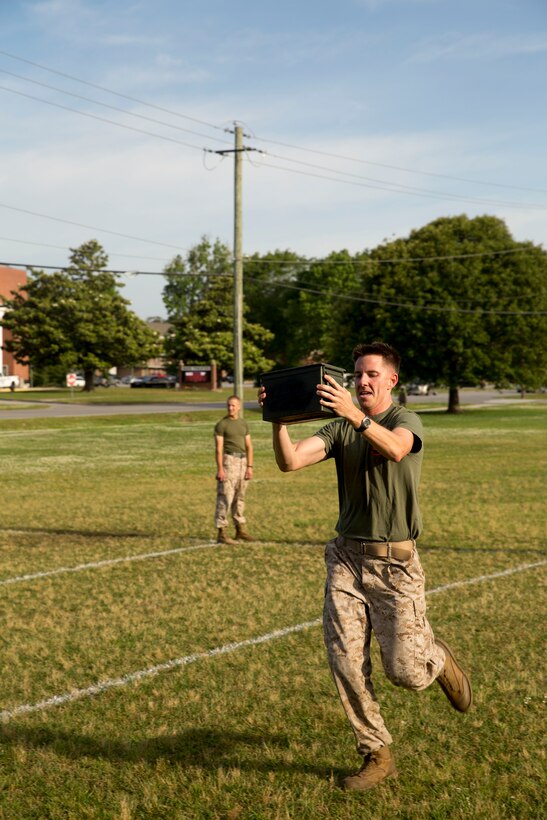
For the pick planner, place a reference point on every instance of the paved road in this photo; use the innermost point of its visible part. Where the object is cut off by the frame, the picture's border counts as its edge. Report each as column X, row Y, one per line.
column 467, row 397
column 33, row 410
column 46, row 409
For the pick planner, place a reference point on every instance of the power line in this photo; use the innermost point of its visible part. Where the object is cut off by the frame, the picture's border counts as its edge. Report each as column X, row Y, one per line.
column 305, row 261
column 380, row 184
column 401, row 190
column 101, row 119
column 266, row 139
column 398, row 188
column 90, row 227
column 110, row 91
column 66, row 248
column 372, row 183
column 104, row 105
column 408, row 305
column 375, row 261
column 258, row 138
column 317, row 291
column 303, row 268
column 65, row 268
column 398, row 167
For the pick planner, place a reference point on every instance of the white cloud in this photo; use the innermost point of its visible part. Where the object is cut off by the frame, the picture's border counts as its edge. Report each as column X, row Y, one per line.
column 130, row 40
column 62, row 15
column 84, row 23
column 374, row 5
column 485, row 47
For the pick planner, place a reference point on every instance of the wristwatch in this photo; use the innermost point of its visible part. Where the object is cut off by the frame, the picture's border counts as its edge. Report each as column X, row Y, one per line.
column 365, row 424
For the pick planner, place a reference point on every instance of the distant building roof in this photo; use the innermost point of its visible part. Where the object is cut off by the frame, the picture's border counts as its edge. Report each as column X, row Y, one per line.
column 161, row 326
column 11, row 279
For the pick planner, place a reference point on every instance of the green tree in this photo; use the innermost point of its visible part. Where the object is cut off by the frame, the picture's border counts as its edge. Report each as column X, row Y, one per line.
column 271, row 283
column 77, row 318
column 314, row 317
column 462, row 300
column 188, row 279
column 199, row 299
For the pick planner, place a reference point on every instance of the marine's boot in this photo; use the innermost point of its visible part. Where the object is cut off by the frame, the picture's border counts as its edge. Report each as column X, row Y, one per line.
column 222, row 538
column 453, row 680
column 376, row 767
column 242, row 534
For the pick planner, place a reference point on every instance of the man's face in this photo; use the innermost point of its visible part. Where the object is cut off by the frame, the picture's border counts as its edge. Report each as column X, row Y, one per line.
column 233, row 408
column 374, row 380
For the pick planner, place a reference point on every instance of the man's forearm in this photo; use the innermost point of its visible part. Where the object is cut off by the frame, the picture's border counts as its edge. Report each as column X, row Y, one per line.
column 390, row 444
column 283, row 448
column 219, row 456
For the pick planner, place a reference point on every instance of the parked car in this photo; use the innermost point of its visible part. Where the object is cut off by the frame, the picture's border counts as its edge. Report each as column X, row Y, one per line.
column 418, row 389
column 155, row 381
column 106, row 381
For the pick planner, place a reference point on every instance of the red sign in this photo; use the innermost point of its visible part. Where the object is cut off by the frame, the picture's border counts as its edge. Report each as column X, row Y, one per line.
column 71, row 379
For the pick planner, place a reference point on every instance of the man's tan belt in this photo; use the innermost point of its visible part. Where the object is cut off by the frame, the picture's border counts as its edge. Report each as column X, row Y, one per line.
column 400, row 550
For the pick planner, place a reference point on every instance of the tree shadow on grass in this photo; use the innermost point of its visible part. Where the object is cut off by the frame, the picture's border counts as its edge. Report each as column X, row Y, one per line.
column 514, row 549
column 83, row 533
column 208, row 749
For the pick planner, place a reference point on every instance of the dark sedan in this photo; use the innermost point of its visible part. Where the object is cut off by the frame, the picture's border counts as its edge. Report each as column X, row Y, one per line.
column 155, row 381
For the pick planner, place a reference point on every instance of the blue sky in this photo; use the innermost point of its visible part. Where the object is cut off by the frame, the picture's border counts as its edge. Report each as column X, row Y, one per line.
column 370, row 118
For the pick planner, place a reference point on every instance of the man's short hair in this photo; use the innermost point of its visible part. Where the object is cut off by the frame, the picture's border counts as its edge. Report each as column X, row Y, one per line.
column 233, row 397
column 378, row 348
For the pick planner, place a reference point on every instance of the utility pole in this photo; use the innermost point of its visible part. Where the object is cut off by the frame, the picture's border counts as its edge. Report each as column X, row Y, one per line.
column 238, row 264
column 237, row 151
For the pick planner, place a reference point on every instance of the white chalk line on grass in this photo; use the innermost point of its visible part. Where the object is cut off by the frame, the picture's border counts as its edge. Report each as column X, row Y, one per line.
column 176, row 663
column 107, row 562
column 103, row 686
column 480, row 578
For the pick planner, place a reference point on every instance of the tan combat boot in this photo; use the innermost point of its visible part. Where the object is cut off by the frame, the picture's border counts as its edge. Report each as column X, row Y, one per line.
column 453, row 680
column 376, row 767
column 222, row 538
column 242, row 534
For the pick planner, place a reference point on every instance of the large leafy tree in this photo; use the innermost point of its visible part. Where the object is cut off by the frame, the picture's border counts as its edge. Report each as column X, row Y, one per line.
column 199, row 299
column 462, row 300
column 317, row 334
column 271, row 291
column 77, row 318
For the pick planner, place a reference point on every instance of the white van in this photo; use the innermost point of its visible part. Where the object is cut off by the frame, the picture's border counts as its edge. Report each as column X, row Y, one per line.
column 7, row 381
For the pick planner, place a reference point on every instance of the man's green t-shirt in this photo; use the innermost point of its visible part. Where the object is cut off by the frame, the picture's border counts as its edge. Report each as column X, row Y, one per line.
column 378, row 498
column 233, row 431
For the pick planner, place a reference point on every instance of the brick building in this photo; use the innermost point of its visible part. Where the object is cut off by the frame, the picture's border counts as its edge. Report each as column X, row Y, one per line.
column 10, row 279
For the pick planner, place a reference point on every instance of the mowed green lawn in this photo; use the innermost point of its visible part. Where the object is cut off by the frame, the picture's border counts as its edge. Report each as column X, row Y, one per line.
column 113, row 700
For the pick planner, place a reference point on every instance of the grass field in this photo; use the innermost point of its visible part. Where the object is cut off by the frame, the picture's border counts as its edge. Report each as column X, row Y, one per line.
column 148, row 673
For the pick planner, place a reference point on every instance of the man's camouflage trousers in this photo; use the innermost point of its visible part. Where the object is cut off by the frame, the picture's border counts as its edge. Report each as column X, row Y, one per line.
column 385, row 596
column 231, row 492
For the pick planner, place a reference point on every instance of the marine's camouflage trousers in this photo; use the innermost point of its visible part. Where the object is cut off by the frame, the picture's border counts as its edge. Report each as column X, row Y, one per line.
column 387, row 597
column 231, row 492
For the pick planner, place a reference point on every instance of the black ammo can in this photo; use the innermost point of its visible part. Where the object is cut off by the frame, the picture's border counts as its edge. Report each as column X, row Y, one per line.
column 291, row 393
